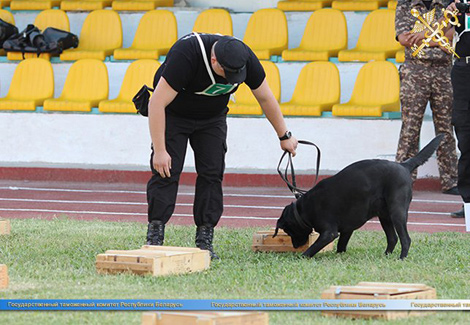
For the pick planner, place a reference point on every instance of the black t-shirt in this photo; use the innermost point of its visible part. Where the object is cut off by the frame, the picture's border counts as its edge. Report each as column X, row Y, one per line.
column 185, row 71
column 462, row 47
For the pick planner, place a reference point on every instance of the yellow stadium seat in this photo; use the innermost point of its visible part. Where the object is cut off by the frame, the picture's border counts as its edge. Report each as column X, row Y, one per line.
column 376, row 40
column 86, row 85
column 214, row 21
column 156, row 33
column 139, row 73
column 400, row 56
column 34, row 4
column 32, row 83
column 392, row 4
column 84, row 5
column 101, row 34
column 245, row 102
column 266, row 33
column 46, row 18
column 317, row 90
column 52, row 18
column 358, row 5
column 376, row 90
column 140, row 5
column 4, row 3
column 303, row 5
column 326, row 33
column 7, row 16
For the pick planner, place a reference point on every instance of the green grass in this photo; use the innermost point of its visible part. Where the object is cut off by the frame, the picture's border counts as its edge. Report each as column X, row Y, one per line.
column 55, row 260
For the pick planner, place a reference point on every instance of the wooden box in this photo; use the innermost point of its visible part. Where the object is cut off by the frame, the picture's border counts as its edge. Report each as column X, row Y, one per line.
column 5, row 227
column 379, row 290
column 205, row 318
column 3, row 276
column 263, row 241
column 154, row 260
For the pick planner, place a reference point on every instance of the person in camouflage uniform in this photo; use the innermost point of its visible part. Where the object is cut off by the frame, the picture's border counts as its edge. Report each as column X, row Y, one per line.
column 426, row 79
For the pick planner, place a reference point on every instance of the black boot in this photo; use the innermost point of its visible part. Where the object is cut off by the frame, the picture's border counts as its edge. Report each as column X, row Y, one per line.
column 204, row 236
column 155, row 233
column 458, row 214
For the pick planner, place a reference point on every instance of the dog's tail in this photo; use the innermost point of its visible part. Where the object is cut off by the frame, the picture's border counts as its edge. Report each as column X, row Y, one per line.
column 422, row 156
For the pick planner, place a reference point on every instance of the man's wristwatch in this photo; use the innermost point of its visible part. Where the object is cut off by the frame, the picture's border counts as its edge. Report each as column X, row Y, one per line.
column 286, row 136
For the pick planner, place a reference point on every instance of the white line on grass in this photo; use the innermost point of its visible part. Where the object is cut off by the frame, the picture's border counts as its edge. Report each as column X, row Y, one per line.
column 190, row 215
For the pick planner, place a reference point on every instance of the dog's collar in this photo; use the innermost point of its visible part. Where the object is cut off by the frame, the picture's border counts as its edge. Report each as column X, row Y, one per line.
column 298, row 218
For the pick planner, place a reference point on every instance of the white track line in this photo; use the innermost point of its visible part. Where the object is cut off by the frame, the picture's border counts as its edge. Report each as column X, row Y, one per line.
column 15, row 188
column 190, row 215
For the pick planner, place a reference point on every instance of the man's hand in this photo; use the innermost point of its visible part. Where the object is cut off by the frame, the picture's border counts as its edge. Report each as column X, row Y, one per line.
column 290, row 145
column 162, row 163
column 416, row 38
column 453, row 7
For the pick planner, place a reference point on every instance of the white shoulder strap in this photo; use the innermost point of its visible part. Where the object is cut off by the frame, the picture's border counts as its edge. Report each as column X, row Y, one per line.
column 204, row 56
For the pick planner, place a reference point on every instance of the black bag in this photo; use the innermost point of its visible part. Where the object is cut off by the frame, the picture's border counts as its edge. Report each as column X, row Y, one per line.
column 7, row 30
column 141, row 100
column 64, row 39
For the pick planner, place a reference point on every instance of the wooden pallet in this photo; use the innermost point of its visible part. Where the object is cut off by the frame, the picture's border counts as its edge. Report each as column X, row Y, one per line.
column 5, row 227
column 3, row 276
column 205, row 318
column 379, row 290
column 154, row 260
column 263, row 241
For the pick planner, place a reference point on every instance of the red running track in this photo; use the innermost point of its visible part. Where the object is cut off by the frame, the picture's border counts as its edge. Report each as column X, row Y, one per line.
column 244, row 206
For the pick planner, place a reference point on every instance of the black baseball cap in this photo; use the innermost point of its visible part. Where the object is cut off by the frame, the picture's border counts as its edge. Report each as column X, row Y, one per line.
column 232, row 54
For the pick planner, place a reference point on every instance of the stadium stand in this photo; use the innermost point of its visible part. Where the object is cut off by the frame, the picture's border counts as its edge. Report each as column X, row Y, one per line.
column 214, row 21
column 266, row 33
column 34, row 4
column 156, row 33
column 325, row 35
column 32, row 83
column 400, row 56
column 305, row 5
column 376, row 40
column 86, row 85
column 139, row 73
column 101, row 34
column 245, row 103
column 84, row 5
column 376, row 91
column 140, row 5
column 316, row 91
column 392, row 4
column 358, row 5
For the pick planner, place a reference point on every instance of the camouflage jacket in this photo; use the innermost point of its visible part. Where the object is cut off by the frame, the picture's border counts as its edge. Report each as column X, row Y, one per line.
column 404, row 22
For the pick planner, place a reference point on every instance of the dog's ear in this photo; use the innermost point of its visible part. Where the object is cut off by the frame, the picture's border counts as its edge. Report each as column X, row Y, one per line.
column 275, row 231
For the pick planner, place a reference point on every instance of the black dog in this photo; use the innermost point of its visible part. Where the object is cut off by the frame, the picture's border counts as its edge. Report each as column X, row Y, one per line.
column 345, row 201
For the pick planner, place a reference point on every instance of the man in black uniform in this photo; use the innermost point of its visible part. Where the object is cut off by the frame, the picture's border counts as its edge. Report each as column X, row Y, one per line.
column 192, row 89
column 460, row 76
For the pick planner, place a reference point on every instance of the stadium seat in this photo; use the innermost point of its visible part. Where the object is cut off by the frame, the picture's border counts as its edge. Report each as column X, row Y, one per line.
column 326, row 33
column 376, row 90
column 303, row 5
column 34, row 4
column 32, row 83
column 214, row 21
column 317, row 90
column 86, row 85
column 245, row 102
column 7, row 16
column 46, row 18
column 52, row 18
column 101, row 34
column 392, row 4
column 156, row 33
column 140, row 5
column 4, row 3
column 358, row 5
column 84, row 5
column 139, row 73
column 376, row 40
column 266, row 33
column 400, row 56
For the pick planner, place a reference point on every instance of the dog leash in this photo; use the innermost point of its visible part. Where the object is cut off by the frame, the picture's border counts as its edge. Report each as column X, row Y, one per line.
column 284, row 176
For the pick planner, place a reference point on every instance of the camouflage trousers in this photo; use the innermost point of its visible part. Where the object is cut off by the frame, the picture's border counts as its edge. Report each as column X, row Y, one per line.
column 420, row 82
